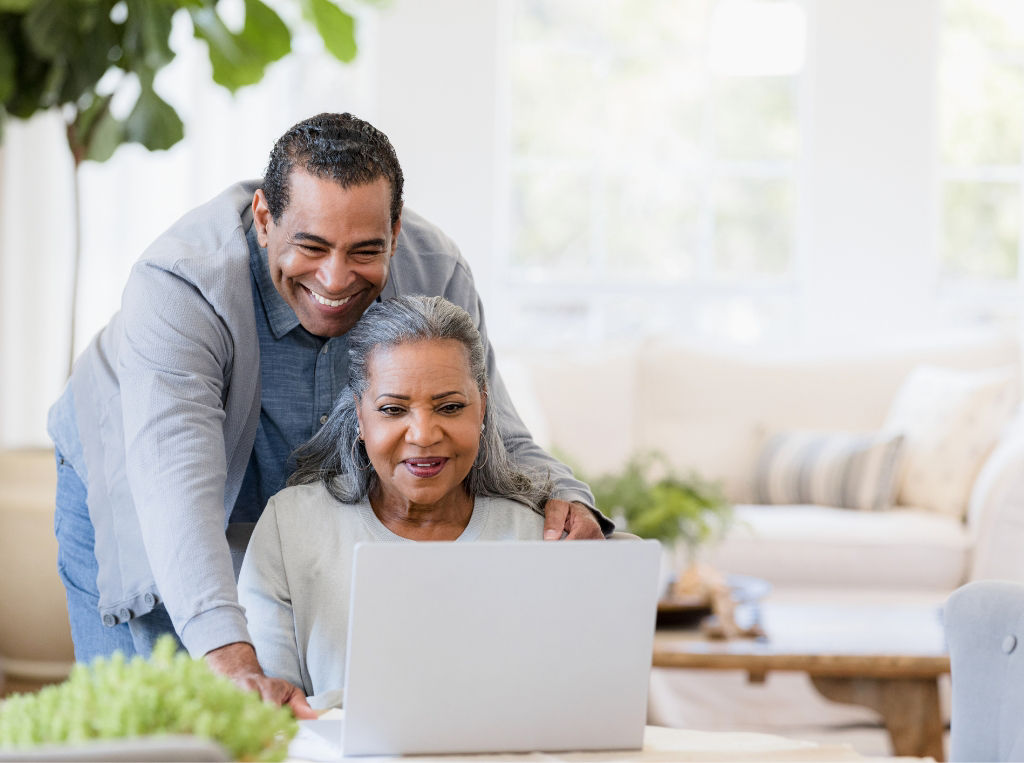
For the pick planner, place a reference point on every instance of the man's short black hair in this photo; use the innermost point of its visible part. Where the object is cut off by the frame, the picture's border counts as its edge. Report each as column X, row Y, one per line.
column 338, row 147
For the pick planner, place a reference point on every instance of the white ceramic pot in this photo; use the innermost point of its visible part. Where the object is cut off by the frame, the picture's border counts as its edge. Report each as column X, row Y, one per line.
column 35, row 639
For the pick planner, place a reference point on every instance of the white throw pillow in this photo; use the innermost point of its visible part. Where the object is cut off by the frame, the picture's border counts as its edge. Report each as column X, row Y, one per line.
column 853, row 471
column 951, row 419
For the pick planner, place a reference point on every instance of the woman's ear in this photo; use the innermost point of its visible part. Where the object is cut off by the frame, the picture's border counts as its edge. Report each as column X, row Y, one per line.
column 359, row 415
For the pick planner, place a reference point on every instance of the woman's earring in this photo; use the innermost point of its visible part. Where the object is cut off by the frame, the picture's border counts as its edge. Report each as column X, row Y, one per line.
column 357, row 456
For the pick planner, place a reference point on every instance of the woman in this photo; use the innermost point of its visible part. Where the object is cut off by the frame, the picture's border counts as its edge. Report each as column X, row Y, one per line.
column 409, row 453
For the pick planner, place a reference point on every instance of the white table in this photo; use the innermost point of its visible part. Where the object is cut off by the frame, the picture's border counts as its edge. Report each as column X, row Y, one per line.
column 321, row 741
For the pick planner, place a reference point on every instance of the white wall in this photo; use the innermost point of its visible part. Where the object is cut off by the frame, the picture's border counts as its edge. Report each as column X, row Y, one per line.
column 869, row 165
column 437, row 83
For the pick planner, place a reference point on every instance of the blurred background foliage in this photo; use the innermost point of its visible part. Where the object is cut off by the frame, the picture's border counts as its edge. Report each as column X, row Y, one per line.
column 79, row 55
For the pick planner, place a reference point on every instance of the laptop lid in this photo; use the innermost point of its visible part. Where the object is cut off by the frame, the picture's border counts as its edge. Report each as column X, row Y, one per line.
column 499, row 646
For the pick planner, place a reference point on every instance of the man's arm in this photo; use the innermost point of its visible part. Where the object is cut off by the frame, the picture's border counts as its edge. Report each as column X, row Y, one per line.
column 172, row 368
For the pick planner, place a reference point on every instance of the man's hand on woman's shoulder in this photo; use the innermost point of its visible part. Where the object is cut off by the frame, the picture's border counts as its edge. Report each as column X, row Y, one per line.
column 572, row 519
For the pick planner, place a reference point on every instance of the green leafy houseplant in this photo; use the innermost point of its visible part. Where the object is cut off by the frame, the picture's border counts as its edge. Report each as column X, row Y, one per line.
column 656, row 502
column 78, row 56
column 170, row 693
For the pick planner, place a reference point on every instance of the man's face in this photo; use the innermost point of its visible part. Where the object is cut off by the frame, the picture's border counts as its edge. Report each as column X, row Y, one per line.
column 330, row 252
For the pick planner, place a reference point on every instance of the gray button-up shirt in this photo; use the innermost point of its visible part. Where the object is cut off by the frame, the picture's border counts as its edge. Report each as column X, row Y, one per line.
column 301, row 376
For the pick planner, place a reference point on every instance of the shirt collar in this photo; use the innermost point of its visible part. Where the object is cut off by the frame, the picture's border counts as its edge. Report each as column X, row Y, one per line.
column 280, row 316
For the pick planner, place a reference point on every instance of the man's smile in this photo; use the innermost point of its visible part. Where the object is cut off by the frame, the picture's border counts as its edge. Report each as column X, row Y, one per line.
column 328, row 302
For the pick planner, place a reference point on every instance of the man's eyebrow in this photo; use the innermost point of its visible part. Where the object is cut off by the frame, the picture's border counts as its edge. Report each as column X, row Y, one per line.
column 370, row 243
column 311, row 237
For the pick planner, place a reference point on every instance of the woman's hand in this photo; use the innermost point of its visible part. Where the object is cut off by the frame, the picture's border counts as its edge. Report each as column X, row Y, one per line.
column 573, row 518
column 238, row 662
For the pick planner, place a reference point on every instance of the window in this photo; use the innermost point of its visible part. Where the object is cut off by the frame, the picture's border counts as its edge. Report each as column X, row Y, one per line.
column 652, row 178
column 981, row 137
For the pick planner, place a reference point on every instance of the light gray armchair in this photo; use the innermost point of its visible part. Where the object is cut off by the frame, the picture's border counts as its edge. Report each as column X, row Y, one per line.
column 985, row 631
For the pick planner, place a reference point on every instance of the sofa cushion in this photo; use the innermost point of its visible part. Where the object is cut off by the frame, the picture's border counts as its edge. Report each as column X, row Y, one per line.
column 951, row 419
column 806, row 545
column 854, row 471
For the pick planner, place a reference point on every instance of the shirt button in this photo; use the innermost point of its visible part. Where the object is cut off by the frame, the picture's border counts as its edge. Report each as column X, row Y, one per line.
column 109, row 620
column 324, row 350
column 1009, row 644
column 125, row 614
column 150, row 599
column 323, row 419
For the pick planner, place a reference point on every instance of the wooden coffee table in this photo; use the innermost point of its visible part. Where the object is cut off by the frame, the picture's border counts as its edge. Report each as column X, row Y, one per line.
column 886, row 654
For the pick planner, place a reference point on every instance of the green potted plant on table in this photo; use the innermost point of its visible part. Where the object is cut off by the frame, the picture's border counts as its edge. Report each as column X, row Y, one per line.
column 650, row 499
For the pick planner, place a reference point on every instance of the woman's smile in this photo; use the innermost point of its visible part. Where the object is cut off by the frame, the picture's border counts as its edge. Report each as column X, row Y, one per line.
column 425, row 467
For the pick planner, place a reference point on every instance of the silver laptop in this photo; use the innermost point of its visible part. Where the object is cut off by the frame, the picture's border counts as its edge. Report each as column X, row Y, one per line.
column 499, row 647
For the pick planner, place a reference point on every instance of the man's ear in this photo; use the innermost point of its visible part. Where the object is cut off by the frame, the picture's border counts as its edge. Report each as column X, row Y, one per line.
column 396, row 228
column 260, row 216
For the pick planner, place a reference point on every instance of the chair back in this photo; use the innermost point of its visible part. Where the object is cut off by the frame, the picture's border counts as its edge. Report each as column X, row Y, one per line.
column 984, row 623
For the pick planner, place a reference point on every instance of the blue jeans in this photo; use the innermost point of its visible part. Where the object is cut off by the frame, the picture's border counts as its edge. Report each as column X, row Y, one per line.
column 78, row 569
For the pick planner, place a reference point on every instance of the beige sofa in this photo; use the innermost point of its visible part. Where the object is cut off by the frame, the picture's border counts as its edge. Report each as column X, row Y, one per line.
column 711, row 411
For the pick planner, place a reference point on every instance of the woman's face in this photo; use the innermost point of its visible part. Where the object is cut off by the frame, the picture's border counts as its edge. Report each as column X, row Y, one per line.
column 420, row 418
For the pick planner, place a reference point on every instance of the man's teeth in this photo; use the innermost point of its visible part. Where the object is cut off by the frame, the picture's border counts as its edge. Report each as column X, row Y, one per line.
column 329, row 302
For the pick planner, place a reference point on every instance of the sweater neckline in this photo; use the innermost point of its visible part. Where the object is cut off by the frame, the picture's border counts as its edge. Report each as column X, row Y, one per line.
column 381, row 532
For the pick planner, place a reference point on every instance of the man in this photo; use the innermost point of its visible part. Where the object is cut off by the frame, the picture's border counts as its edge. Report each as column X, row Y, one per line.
column 229, row 349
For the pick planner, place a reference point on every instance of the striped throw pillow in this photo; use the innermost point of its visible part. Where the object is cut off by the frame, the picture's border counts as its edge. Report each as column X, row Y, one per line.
column 854, row 471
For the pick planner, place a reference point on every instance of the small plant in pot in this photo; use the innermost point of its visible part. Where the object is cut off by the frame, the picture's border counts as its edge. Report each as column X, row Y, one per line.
column 649, row 498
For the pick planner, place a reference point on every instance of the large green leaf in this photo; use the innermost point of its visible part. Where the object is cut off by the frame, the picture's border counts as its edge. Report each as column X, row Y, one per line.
column 235, row 65
column 264, row 31
column 51, row 27
column 147, row 29
column 78, row 37
column 153, row 122
column 337, row 28
column 90, row 56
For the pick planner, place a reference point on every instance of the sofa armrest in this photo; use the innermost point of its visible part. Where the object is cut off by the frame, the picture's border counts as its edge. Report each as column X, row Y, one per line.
column 995, row 515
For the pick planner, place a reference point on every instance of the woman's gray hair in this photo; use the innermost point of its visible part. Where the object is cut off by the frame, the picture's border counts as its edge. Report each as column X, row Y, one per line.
column 337, row 457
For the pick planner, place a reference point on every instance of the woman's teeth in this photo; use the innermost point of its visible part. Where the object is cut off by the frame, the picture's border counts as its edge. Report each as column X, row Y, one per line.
column 329, row 302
